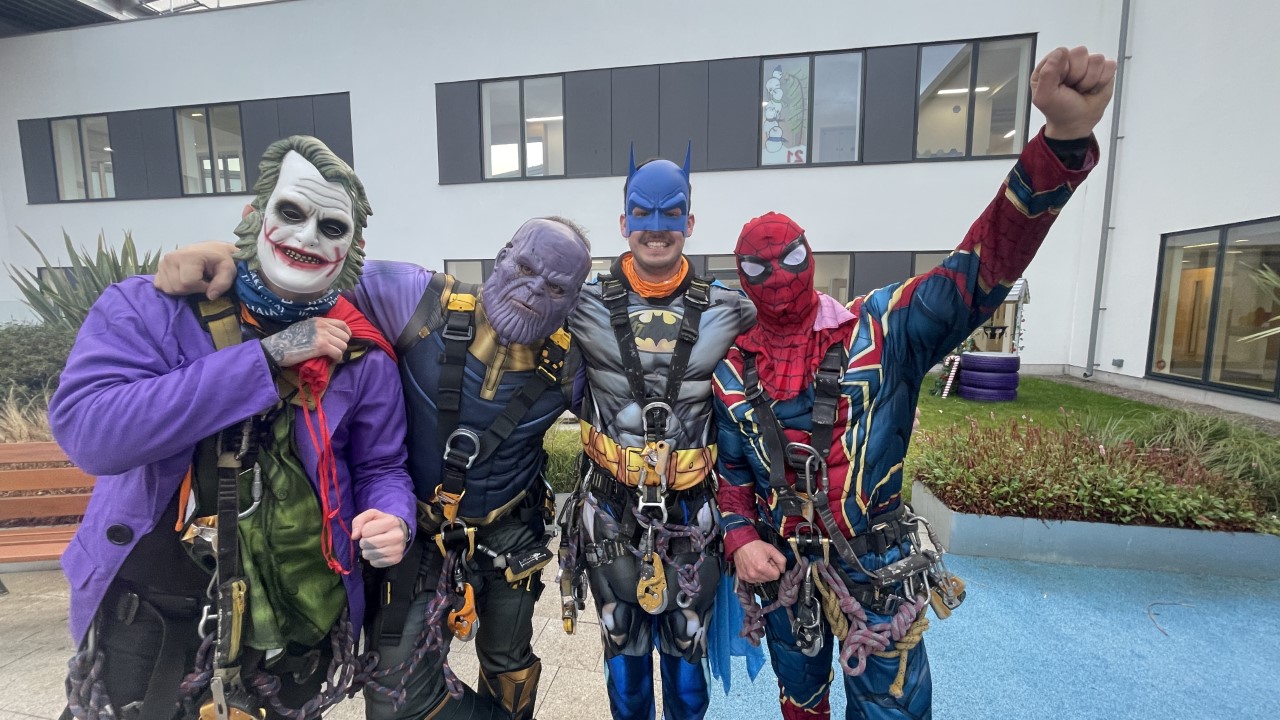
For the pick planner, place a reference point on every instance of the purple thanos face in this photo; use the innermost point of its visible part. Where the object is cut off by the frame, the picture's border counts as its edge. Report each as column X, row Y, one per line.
column 535, row 282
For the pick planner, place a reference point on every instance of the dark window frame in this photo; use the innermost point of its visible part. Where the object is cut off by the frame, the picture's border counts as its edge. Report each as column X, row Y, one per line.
column 976, row 45
column 213, row 157
column 520, row 79
column 84, row 161
column 862, row 115
column 1206, row 369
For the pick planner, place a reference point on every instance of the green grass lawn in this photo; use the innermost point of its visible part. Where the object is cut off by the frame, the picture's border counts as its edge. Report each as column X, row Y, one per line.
column 1038, row 399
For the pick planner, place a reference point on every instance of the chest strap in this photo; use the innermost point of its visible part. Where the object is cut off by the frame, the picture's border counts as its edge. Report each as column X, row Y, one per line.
column 697, row 298
column 826, row 399
column 463, row 446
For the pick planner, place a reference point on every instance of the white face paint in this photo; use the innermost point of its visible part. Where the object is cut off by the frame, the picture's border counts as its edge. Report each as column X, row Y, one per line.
column 307, row 228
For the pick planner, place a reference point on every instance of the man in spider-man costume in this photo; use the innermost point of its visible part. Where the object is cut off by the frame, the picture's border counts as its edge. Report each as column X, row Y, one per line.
column 815, row 407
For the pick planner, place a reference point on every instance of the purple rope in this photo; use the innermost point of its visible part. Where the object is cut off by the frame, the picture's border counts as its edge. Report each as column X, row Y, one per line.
column 430, row 641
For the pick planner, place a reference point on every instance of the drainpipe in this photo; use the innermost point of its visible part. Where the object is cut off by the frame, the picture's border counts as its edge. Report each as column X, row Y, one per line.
column 1121, row 60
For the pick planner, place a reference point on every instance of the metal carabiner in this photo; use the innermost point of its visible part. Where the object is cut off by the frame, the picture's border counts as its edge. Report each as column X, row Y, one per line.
column 256, row 490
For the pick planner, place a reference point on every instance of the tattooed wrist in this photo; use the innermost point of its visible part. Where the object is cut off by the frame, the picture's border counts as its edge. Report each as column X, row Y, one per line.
column 297, row 338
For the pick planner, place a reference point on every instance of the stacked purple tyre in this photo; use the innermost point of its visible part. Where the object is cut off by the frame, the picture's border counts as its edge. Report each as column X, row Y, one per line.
column 988, row 376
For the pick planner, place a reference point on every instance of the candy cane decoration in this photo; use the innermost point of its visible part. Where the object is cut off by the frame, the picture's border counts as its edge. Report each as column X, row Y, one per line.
column 954, row 362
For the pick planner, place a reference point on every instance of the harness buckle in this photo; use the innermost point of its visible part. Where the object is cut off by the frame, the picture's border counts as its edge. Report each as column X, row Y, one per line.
column 653, row 419
column 453, row 455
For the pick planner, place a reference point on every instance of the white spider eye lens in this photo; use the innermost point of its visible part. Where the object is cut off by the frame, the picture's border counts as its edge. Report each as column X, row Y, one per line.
column 751, row 269
column 797, row 256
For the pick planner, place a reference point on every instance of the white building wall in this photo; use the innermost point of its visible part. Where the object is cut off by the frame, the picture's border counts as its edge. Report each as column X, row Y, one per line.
column 1199, row 149
column 389, row 54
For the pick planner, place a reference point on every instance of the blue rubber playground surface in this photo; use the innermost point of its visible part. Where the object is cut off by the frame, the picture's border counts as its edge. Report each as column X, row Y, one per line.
column 1034, row 640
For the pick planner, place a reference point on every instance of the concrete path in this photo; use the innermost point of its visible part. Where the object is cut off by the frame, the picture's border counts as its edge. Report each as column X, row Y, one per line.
column 1032, row 640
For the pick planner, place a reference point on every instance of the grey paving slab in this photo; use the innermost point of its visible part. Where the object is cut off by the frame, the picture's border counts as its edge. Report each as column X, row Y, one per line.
column 33, row 686
column 577, row 694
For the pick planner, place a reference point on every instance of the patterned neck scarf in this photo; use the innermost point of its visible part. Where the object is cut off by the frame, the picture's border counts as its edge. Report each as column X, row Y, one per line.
column 262, row 302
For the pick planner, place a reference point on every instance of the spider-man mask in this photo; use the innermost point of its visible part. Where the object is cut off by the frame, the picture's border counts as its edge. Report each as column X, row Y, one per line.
column 776, row 269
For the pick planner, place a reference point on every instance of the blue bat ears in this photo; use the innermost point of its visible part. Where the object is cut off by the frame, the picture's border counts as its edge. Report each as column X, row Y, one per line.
column 688, row 161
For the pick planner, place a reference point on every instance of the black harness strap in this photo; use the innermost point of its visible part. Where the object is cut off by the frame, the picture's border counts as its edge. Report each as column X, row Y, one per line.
column 458, row 331
column 427, row 316
column 463, row 447
column 697, row 298
column 826, row 398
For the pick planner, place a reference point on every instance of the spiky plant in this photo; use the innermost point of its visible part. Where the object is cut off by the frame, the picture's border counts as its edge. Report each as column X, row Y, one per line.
column 1268, row 281
column 63, row 299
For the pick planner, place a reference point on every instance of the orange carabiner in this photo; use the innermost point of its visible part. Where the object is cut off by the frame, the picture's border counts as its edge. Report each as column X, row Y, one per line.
column 463, row 621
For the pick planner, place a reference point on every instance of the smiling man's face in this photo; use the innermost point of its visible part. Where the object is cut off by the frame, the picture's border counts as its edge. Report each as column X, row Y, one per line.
column 307, row 229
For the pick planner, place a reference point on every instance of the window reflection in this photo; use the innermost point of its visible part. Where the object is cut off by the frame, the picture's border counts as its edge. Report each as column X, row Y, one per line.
column 1186, row 294
column 1000, row 112
column 66, row 158
column 944, row 100
column 837, row 102
column 1245, row 308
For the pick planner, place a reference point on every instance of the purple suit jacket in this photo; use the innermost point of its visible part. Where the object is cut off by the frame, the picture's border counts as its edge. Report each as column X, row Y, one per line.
column 144, row 385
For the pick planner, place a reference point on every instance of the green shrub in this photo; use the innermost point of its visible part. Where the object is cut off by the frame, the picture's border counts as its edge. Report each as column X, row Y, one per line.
column 563, row 447
column 1233, row 451
column 32, row 356
column 1063, row 473
column 64, row 299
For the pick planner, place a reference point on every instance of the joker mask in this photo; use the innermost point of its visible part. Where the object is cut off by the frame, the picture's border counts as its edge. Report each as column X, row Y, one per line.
column 535, row 281
column 307, row 230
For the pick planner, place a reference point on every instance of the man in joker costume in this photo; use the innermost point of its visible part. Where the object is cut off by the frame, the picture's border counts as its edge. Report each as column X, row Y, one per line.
column 642, row 525
column 815, row 406
column 486, row 371
column 285, row 396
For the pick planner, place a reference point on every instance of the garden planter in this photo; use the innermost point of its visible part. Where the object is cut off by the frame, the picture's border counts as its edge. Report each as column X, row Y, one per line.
column 1070, row 542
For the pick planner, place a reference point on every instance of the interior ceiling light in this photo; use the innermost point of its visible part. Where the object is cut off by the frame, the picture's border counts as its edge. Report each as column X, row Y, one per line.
column 549, row 118
column 962, row 91
column 1009, row 134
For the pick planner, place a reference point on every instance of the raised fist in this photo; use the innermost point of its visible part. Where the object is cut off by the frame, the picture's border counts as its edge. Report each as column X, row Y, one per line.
column 1072, row 88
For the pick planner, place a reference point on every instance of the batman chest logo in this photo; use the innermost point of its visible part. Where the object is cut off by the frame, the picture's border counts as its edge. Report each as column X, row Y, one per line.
column 656, row 330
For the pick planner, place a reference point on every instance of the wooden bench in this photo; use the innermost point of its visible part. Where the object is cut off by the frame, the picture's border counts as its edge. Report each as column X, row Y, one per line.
column 71, row 488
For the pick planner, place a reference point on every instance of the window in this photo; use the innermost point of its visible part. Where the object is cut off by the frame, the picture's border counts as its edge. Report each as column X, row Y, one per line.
column 810, row 109
column 725, row 269
column 831, row 275
column 469, row 271
column 923, row 262
column 522, row 124
column 1209, row 300
column 82, row 158
column 973, row 98
column 212, row 155
column 599, row 266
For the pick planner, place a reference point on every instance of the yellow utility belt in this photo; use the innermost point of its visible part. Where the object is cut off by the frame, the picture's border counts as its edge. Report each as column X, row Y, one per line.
column 685, row 468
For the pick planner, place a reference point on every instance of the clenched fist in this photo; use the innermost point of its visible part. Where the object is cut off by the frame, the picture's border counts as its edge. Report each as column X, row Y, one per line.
column 758, row 562
column 382, row 537
column 1072, row 88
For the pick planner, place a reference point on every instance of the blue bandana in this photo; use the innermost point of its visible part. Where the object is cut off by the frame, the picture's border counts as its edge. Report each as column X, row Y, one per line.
column 262, row 302
column 657, row 188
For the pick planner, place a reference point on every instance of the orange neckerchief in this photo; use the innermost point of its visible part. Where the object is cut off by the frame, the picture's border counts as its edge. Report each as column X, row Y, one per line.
column 653, row 289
